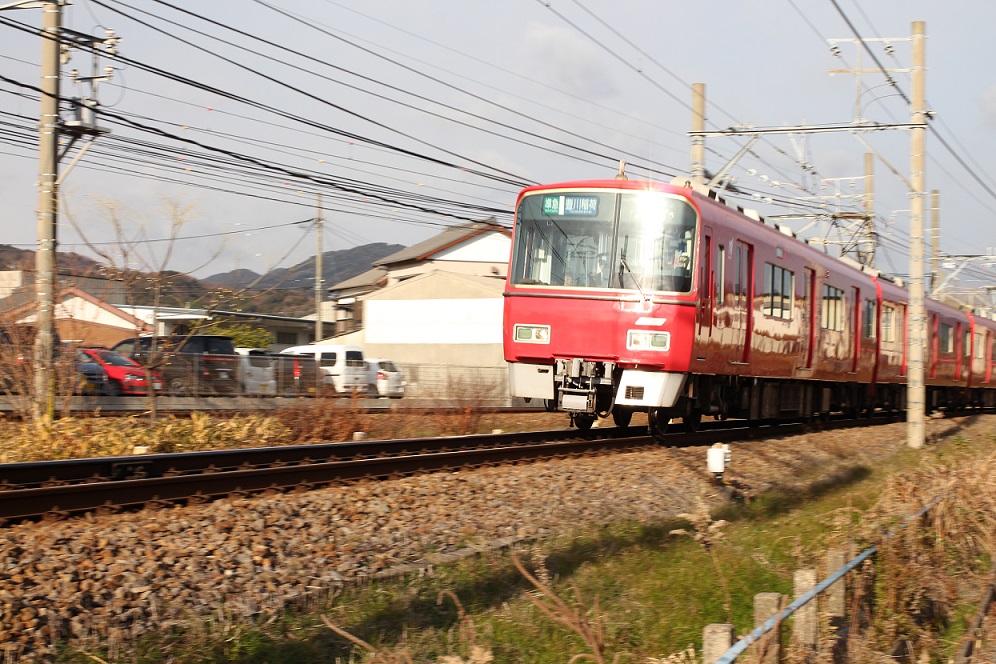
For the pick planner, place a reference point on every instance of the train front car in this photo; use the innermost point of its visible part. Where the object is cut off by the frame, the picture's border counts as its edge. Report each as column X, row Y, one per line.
column 600, row 299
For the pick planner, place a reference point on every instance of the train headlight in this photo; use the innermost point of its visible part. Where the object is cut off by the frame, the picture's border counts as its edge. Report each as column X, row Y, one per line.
column 648, row 340
column 532, row 334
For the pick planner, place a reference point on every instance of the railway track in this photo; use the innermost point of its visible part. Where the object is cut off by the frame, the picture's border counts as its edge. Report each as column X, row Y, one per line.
column 128, row 406
column 56, row 489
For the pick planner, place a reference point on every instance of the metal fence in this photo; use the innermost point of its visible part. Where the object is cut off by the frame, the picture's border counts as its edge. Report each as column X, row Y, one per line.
column 770, row 614
column 261, row 378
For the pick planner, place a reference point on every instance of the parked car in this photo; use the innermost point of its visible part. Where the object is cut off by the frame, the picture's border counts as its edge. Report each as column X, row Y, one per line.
column 385, row 379
column 72, row 374
column 343, row 366
column 296, row 375
column 89, row 377
column 257, row 372
column 125, row 375
column 204, row 364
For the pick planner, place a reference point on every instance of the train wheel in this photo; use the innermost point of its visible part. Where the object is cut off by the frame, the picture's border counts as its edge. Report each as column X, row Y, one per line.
column 622, row 416
column 583, row 421
column 550, row 405
column 658, row 421
column 693, row 421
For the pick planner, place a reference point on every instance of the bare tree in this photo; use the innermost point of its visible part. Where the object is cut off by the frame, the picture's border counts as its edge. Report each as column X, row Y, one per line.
column 140, row 263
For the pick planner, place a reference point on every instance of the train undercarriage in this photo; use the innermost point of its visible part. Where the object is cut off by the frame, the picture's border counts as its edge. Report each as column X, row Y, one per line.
column 589, row 390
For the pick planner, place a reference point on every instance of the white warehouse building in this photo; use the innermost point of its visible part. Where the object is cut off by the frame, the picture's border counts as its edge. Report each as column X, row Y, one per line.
column 436, row 310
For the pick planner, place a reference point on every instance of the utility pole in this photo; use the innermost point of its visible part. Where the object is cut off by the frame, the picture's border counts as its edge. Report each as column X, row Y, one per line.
column 698, row 126
column 319, row 282
column 48, row 202
column 866, row 245
column 50, row 127
column 915, row 389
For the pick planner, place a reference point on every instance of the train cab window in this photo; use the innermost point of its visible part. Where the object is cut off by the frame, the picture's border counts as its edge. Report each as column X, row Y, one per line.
column 868, row 319
column 779, row 288
column 655, row 246
column 832, row 314
column 646, row 240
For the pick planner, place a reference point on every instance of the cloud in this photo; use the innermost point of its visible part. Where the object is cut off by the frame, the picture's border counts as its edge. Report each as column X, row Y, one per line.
column 987, row 106
column 568, row 62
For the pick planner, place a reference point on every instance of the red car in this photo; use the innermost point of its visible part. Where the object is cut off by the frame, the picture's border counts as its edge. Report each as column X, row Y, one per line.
column 126, row 376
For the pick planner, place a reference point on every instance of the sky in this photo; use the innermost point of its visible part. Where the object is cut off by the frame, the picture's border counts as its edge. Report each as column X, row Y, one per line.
column 229, row 119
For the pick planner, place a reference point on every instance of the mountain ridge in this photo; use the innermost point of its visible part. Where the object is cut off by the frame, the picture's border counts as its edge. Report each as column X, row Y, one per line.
column 279, row 292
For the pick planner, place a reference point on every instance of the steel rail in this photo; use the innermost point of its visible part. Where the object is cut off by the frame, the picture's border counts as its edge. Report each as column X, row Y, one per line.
column 62, row 488
column 139, row 466
column 63, row 500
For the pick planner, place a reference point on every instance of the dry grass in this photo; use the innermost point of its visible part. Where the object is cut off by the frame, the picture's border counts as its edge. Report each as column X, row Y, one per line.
column 312, row 421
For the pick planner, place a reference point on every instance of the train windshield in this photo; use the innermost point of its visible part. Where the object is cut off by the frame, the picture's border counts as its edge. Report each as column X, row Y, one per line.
column 605, row 239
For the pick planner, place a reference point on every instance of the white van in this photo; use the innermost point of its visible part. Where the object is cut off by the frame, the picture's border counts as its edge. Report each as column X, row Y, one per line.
column 256, row 372
column 343, row 366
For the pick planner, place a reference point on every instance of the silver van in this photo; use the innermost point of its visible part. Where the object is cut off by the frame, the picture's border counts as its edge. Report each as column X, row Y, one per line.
column 257, row 373
column 343, row 366
column 385, row 379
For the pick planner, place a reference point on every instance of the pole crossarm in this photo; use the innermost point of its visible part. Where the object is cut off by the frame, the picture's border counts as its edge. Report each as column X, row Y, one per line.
column 809, row 129
column 965, row 261
column 30, row 4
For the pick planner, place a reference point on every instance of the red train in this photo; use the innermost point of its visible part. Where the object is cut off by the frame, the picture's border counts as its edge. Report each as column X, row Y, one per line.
column 627, row 296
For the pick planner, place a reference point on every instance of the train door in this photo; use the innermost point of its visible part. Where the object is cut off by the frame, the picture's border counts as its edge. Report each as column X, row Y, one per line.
column 707, row 278
column 959, row 350
column 933, row 346
column 742, row 318
column 904, row 349
column 809, row 323
column 856, row 330
column 992, row 357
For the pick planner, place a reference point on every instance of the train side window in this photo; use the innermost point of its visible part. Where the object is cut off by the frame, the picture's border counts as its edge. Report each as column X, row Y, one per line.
column 720, row 273
column 945, row 338
column 888, row 323
column 737, row 271
column 980, row 346
column 832, row 317
column 779, row 287
column 868, row 319
column 966, row 346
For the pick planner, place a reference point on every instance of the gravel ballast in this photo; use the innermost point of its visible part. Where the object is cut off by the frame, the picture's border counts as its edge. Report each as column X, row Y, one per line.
column 110, row 578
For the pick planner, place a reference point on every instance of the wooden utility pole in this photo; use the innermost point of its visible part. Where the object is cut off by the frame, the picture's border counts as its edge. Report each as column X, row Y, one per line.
column 319, row 283
column 867, row 243
column 698, row 126
column 48, row 205
column 917, row 319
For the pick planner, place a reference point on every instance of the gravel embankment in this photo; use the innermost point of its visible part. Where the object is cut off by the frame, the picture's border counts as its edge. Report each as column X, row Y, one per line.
column 111, row 578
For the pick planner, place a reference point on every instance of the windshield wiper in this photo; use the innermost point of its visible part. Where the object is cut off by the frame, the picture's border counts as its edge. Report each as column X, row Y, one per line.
column 636, row 281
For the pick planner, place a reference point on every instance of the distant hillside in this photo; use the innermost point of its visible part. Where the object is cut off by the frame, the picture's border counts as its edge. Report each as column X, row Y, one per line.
column 290, row 291
column 281, row 292
column 12, row 258
column 336, row 266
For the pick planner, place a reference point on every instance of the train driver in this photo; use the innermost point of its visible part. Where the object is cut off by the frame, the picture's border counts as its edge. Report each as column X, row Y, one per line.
column 600, row 278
